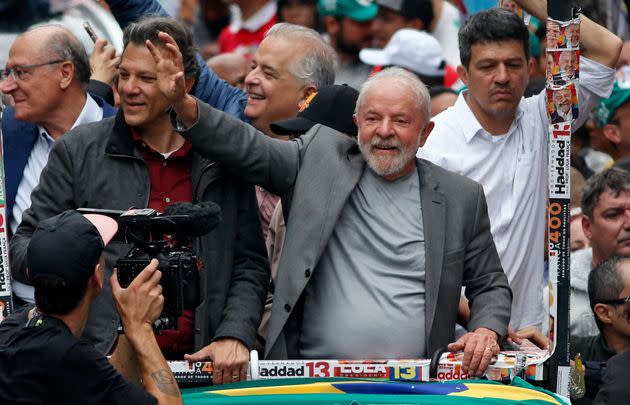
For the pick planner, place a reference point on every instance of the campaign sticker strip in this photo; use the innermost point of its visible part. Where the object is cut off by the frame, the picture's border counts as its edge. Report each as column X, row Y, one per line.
column 449, row 368
column 6, row 306
column 563, row 67
column 516, row 9
column 560, row 161
column 192, row 372
column 559, row 214
column 563, row 34
column 562, row 104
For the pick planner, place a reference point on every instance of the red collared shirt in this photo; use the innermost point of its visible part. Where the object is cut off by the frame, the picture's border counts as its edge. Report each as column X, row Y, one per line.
column 171, row 182
column 171, row 179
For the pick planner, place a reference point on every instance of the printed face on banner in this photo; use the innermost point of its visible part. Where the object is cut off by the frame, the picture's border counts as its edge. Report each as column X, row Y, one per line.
column 562, row 104
column 573, row 35
column 562, row 66
column 554, row 38
column 512, row 6
column 568, row 61
column 563, row 35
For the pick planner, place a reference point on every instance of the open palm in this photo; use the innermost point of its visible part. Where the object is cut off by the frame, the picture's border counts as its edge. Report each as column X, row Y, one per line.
column 170, row 67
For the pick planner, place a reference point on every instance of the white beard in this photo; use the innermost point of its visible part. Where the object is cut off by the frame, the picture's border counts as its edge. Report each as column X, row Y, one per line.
column 387, row 165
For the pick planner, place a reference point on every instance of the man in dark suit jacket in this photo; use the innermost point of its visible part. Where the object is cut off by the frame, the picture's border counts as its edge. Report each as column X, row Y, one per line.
column 47, row 74
column 377, row 241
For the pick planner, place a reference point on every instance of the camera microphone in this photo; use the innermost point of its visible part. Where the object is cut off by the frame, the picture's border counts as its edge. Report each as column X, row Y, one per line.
column 191, row 219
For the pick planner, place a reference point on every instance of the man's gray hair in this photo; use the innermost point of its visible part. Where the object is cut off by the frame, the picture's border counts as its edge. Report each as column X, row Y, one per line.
column 410, row 80
column 63, row 44
column 317, row 64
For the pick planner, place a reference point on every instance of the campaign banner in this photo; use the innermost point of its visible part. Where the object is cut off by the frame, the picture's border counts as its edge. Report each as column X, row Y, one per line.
column 503, row 368
column 560, row 161
column 6, row 303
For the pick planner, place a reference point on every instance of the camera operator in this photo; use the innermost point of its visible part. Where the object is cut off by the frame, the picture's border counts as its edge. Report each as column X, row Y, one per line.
column 66, row 267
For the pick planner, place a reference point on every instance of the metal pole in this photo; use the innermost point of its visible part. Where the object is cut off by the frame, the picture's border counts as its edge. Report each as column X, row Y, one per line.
column 560, row 82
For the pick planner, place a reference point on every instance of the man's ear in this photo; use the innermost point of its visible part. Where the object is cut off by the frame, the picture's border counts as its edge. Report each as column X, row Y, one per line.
column 603, row 312
column 426, row 132
column 532, row 63
column 97, row 276
column 463, row 74
column 190, row 82
column 586, row 226
column 332, row 25
column 612, row 133
column 305, row 93
column 67, row 74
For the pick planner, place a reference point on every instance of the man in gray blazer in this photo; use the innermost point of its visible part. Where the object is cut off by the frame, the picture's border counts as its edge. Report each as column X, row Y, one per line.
column 378, row 243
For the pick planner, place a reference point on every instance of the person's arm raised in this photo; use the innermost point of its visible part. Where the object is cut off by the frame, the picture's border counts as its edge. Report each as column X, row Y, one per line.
column 596, row 42
column 139, row 305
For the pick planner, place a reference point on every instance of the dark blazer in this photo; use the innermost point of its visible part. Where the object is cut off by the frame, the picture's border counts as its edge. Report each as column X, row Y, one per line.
column 99, row 166
column 18, row 139
column 315, row 175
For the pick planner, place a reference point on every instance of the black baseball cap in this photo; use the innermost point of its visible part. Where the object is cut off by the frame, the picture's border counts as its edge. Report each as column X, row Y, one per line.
column 332, row 106
column 410, row 9
column 68, row 246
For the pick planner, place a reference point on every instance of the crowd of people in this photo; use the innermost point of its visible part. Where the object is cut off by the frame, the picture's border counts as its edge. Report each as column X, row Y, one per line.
column 382, row 182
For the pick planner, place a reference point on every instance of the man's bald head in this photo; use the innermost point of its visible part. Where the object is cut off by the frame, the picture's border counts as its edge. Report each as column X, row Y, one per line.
column 55, row 42
column 230, row 67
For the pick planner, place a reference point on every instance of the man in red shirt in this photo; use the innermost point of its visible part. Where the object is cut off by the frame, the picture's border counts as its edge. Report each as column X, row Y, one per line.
column 248, row 27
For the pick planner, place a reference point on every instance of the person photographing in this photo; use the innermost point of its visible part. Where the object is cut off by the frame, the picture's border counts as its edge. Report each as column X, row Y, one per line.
column 66, row 267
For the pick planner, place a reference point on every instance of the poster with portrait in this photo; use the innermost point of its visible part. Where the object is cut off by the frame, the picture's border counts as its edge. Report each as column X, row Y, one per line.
column 563, row 35
column 563, row 66
column 516, row 9
column 562, row 104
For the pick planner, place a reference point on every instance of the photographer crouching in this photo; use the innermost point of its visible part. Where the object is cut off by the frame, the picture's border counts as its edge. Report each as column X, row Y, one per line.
column 45, row 362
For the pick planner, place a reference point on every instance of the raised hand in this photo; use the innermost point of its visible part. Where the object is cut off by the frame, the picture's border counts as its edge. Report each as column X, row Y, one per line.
column 170, row 68
column 140, row 304
column 104, row 62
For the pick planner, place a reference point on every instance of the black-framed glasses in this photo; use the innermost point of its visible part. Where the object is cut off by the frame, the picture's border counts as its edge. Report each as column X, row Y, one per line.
column 18, row 72
column 617, row 301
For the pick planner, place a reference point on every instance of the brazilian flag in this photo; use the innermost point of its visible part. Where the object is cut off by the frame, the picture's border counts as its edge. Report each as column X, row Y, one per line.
column 357, row 392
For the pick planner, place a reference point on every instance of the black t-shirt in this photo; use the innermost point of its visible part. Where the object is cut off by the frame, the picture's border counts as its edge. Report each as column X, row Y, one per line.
column 45, row 363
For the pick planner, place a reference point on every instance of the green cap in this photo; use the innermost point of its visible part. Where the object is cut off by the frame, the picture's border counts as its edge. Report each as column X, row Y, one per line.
column 357, row 10
column 607, row 107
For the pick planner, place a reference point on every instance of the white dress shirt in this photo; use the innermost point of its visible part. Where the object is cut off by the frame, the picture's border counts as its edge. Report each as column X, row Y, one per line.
column 512, row 169
column 91, row 112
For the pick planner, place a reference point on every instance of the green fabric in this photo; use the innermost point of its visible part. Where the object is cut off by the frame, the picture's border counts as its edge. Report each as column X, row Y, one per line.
column 358, row 10
column 203, row 395
column 607, row 107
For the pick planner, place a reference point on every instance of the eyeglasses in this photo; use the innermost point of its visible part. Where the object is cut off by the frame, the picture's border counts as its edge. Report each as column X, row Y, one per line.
column 19, row 72
column 617, row 301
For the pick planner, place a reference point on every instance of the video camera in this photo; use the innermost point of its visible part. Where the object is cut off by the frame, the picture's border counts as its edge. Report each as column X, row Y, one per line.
column 166, row 237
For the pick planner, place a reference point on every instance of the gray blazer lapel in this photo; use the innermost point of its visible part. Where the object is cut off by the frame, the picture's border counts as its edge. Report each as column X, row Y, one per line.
column 434, row 218
column 306, row 240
